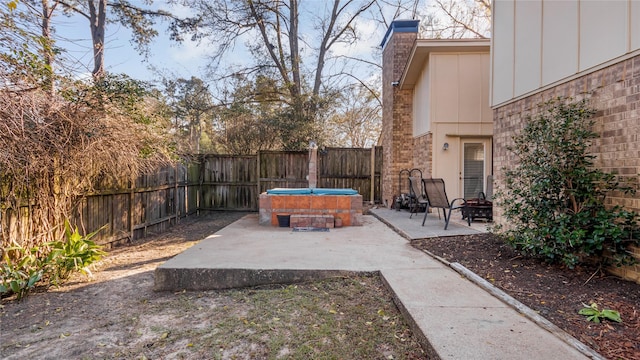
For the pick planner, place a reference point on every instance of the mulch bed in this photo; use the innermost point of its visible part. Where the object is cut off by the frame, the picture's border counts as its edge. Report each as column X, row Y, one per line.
column 555, row 292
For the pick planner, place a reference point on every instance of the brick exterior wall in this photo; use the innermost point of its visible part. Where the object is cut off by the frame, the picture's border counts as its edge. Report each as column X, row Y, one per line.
column 396, row 141
column 614, row 92
column 629, row 272
column 422, row 154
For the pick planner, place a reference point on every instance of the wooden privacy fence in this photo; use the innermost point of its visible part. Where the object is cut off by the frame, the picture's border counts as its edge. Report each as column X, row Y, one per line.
column 235, row 182
column 153, row 202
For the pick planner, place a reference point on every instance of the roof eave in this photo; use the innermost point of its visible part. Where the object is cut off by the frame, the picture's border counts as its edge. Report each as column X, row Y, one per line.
column 423, row 47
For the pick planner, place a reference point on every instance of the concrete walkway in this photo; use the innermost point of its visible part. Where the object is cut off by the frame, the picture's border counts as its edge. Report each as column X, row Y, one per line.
column 452, row 316
column 411, row 227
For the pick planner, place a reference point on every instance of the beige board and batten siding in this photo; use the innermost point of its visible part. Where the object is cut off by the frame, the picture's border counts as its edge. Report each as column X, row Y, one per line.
column 539, row 44
column 450, row 82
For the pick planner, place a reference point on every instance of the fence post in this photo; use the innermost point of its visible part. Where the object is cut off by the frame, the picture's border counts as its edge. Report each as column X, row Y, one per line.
column 176, row 174
column 201, row 168
column 372, row 170
column 186, row 189
column 132, row 186
column 258, row 171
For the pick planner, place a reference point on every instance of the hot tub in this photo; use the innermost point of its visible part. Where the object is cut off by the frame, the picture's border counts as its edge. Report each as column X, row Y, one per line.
column 343, row 204
column 307, row 191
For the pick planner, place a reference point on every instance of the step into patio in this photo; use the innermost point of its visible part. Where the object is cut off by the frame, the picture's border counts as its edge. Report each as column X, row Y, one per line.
column 312, row 221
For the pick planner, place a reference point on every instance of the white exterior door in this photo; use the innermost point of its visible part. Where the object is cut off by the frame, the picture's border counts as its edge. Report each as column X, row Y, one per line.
column 475, row 166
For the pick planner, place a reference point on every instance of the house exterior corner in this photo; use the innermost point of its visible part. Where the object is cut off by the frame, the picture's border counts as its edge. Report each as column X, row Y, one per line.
column 436, row 113
column 578, row 49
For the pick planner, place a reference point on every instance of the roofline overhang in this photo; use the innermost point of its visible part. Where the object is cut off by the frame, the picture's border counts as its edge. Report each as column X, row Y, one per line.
column 422, row 48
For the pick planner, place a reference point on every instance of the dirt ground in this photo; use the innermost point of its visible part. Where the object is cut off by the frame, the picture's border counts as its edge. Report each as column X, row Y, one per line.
column 553, row 291
column 117, row 315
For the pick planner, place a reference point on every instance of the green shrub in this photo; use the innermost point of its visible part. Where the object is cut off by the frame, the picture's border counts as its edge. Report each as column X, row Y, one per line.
column 50, row 265
column 554, row 198
column 21, row 275
column 75, row 253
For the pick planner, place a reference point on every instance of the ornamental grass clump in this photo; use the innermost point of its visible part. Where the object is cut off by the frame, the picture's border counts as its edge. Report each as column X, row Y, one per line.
column 554, row 198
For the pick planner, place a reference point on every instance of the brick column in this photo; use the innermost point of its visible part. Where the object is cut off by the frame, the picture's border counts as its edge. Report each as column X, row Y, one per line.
column 313, row 167
column 397, row 106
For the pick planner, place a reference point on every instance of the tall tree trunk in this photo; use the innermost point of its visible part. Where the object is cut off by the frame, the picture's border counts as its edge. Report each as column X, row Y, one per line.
column 47, row 47
column 322, row 51
column 278, row 58
column 298, row 101
column 293, row 45
column 330, row 37
column 97, row 18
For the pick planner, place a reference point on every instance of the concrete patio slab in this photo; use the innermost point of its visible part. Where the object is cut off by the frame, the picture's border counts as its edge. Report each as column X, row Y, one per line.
column 453, row 317
column 411, row 227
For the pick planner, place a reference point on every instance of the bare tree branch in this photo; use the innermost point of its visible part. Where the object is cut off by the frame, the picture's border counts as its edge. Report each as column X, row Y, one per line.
column 370, row 89
column 465, row 19
column 330, row 38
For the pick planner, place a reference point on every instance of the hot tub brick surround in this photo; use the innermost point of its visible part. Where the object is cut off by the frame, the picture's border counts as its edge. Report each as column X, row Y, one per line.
column 299, row 202
column 275, row 202
column 346, row 207
column 314, row 221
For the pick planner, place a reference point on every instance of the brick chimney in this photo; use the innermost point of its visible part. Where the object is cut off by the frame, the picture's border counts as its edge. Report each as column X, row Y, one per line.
column 397, row 127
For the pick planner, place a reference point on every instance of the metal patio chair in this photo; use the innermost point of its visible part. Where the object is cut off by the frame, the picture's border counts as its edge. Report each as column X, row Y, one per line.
column 417, row 196
column 402, row 199
column 437, row 198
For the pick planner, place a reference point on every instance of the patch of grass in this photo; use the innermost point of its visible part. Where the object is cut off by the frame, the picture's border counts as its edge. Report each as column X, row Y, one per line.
column 341, row 318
